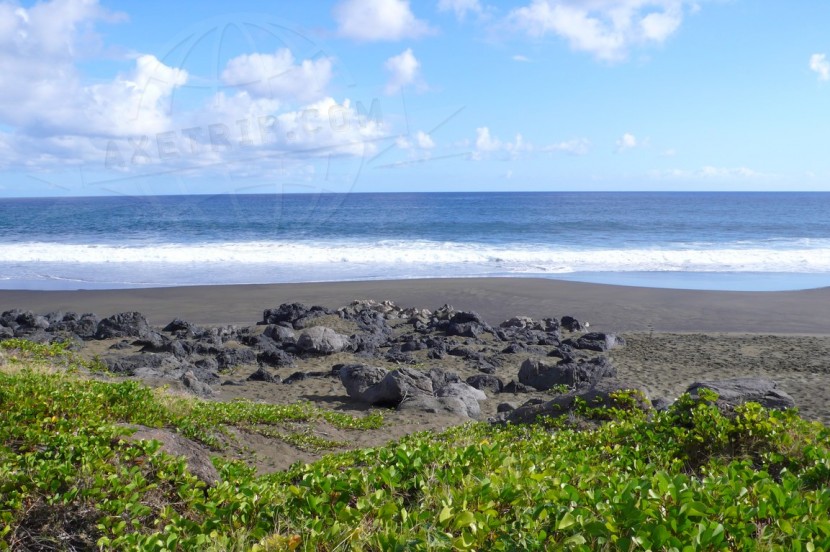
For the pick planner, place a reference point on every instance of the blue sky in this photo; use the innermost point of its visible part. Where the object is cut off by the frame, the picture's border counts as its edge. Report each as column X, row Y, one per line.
column 117, row 97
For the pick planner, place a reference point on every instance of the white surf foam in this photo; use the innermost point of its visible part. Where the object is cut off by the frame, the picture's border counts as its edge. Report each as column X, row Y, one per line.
column 422, row 257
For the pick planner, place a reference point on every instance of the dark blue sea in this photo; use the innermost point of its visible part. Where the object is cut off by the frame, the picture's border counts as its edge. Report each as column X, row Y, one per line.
column 743, row 241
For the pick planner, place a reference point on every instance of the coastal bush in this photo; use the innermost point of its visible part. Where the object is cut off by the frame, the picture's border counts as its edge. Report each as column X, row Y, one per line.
column 690, row 478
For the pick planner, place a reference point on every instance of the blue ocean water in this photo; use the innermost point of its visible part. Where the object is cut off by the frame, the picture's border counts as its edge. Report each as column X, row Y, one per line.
column 689, row 240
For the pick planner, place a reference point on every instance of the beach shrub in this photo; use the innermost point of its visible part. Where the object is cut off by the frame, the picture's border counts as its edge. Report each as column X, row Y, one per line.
column 690, row 478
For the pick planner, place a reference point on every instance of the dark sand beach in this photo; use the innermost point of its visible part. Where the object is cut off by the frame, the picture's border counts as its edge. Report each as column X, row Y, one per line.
column 674, row 338
column 606, row 307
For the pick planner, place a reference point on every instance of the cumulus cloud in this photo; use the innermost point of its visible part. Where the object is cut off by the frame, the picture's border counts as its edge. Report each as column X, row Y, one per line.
column 626, row 142
column 421, row 140
column 377, row 20
column 576, row 146
column 38, row 47
column 489, row 146
column 709, row 172
column 820, row 65
column 404, row 70
column 276, row 109
column 605, row 28
column 461, row 7
column 486, row 144
column 278, row 76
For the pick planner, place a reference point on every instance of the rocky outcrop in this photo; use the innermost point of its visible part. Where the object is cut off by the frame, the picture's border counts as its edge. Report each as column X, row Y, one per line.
column 408, row 389
column 192, row 384
column 733, row 392
column 357, row 378
column 125, row 324
column 264, row 375
column 196, row 456
column 544, row 375
column 596, row 341
column 486, row 382
column 321, row 340
column 596, row 396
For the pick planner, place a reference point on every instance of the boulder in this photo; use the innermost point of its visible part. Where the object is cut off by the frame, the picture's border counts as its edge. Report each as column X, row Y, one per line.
column 128, row 365
column 125, row 324
column 397, row 385
column 413, row 345
column 441, row 377
column 571, row 324
column 30, row 320
column 276, row 357
column 466, row 329
column 740, row 390
column 280, row 334
column 196, row 456
column 542, row 375
column 518, row 322
column 357, row 378
column 264, row 375
column 464, row 317
column 184, row 329
column 469, row 396
column 596, row 341
column 322, row 340
column 486, row 382
column 84, row 326
column 367, row 344
column 192, row 383
column 297, row 315
column 515, row 387
column 596, row 396
column 230, row 357
column 452, row 406
column 152, row 341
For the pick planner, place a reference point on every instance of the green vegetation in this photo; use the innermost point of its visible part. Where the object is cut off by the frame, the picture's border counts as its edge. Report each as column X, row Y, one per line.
column 691, row 478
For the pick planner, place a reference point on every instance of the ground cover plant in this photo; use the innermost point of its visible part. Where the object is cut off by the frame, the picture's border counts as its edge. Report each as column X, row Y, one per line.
column 693, row 477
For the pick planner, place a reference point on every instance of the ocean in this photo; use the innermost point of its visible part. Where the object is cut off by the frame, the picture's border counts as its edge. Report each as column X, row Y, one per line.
column 734, row 241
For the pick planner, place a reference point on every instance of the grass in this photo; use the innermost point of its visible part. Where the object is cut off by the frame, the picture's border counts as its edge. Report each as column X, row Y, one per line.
column 690, row 478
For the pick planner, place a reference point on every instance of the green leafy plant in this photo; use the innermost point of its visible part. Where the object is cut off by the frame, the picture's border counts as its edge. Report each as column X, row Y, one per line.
column 690, row 478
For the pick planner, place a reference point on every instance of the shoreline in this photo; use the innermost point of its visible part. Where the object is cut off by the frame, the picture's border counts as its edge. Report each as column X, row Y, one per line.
column 606, row 307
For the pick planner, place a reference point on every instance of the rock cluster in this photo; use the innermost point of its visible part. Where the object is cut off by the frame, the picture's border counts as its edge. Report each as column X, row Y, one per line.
column 414, row 344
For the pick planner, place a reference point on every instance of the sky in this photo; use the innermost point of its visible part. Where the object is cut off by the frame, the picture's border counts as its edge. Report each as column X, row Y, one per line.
column 131, row 98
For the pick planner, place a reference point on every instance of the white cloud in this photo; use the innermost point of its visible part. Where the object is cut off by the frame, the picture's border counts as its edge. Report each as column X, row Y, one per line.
column 819, row 64
column 42, row 93
column 521, row 58
column 576, row 146
column 724, row 172
column 487, row 144
column 424, row 140
column 52, row 117
column 461, row 7
column 626, row 142
column 375, row 20
column 605, row 28
column 278, row 76
column 403, row 71
column 421, row 140
column 709, row 172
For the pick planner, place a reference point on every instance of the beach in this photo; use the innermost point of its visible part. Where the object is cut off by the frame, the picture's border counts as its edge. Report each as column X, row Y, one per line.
column 605, row 307
column 673, row 338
